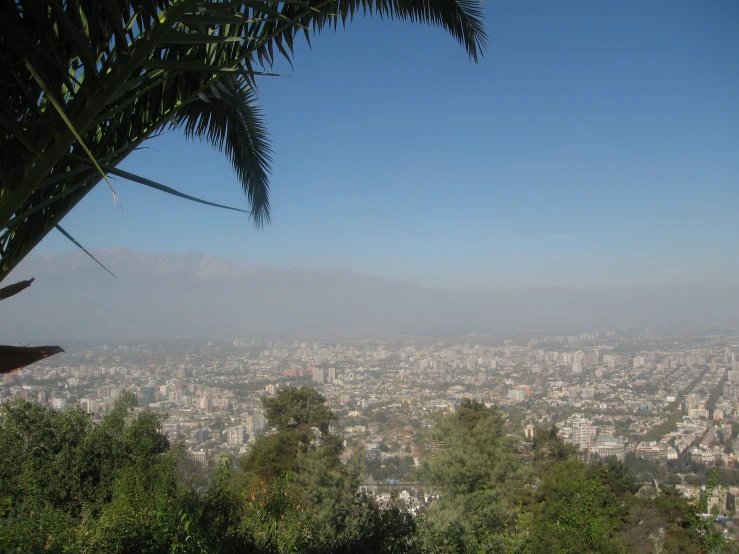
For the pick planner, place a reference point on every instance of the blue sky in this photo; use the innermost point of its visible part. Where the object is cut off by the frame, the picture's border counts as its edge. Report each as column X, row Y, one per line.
column 597, row 143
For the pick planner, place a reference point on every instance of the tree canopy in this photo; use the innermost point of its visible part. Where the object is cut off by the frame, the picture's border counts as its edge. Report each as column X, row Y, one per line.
column 295, row 408
column 70, row 484
column 479, row 475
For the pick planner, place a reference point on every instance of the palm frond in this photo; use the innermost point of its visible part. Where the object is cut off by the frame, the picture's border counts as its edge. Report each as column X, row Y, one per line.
column 13, row 358
column 230, row 120
column 463, row 19
column 78, row 245
column 15, row 288
column 50, row 95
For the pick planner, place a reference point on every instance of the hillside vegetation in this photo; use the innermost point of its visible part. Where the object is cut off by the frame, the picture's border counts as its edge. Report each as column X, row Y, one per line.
column 68, row 484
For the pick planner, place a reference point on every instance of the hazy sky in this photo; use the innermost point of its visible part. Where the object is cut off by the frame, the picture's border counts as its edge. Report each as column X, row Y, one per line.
column 596, row 143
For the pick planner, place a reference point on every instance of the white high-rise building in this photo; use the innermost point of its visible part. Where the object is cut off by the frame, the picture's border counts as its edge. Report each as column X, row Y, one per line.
column 581, row 433
column 517, row 395
column 59, row 403
column 255, row 423
column 692, row 402
column 235, row 436
column 318, row 376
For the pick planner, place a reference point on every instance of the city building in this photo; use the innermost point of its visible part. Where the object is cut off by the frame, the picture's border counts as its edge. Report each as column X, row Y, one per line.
column 581, row 433
column 59, row 403
column 236, row 435
column 608, row 446
column 517, row 395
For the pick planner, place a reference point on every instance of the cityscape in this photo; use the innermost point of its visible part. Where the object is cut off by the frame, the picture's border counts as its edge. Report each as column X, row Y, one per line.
column 666, row 396
column 373, row 307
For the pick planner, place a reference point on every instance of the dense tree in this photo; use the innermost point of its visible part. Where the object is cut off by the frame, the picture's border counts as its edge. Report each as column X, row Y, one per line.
column 297, row 408
column 547, row 445
column 573, row 513
column 72, row 462
column 479, row 476
column 67, row 481
column 643, row 469
column 302, row 498
column 272, row 455
column 397, row 467
column 296, row 414
column 662, row 524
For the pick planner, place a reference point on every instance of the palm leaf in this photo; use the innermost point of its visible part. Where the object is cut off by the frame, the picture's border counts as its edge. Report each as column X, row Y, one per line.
column 15, row 288
column 13, row 358
column 70, row 126
column 77, row 244
column 232, row 122
column 169, row 190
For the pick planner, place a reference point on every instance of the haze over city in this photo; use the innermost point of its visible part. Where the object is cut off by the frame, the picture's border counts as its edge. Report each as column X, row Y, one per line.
column 195, row 295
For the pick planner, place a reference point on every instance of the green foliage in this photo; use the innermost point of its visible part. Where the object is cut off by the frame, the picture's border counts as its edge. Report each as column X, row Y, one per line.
column 394, row 467
column 643, row 469
column 272, row 455
column 295, row 413
column 297, row 408
column 302, row 499
column 69, row 460
column 662, row 524
column 495, row 498
column 548, row 446
column 221, row 512
column 68, row 484
column 480, row 477
column 616, row 477
column 575, row 512
column 105, row 486
column 709, row 536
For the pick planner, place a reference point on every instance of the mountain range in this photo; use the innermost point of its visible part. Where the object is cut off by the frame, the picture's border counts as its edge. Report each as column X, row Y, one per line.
column 195, row 295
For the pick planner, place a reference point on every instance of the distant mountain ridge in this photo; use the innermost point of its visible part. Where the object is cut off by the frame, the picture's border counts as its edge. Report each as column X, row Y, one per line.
column 168, row 295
